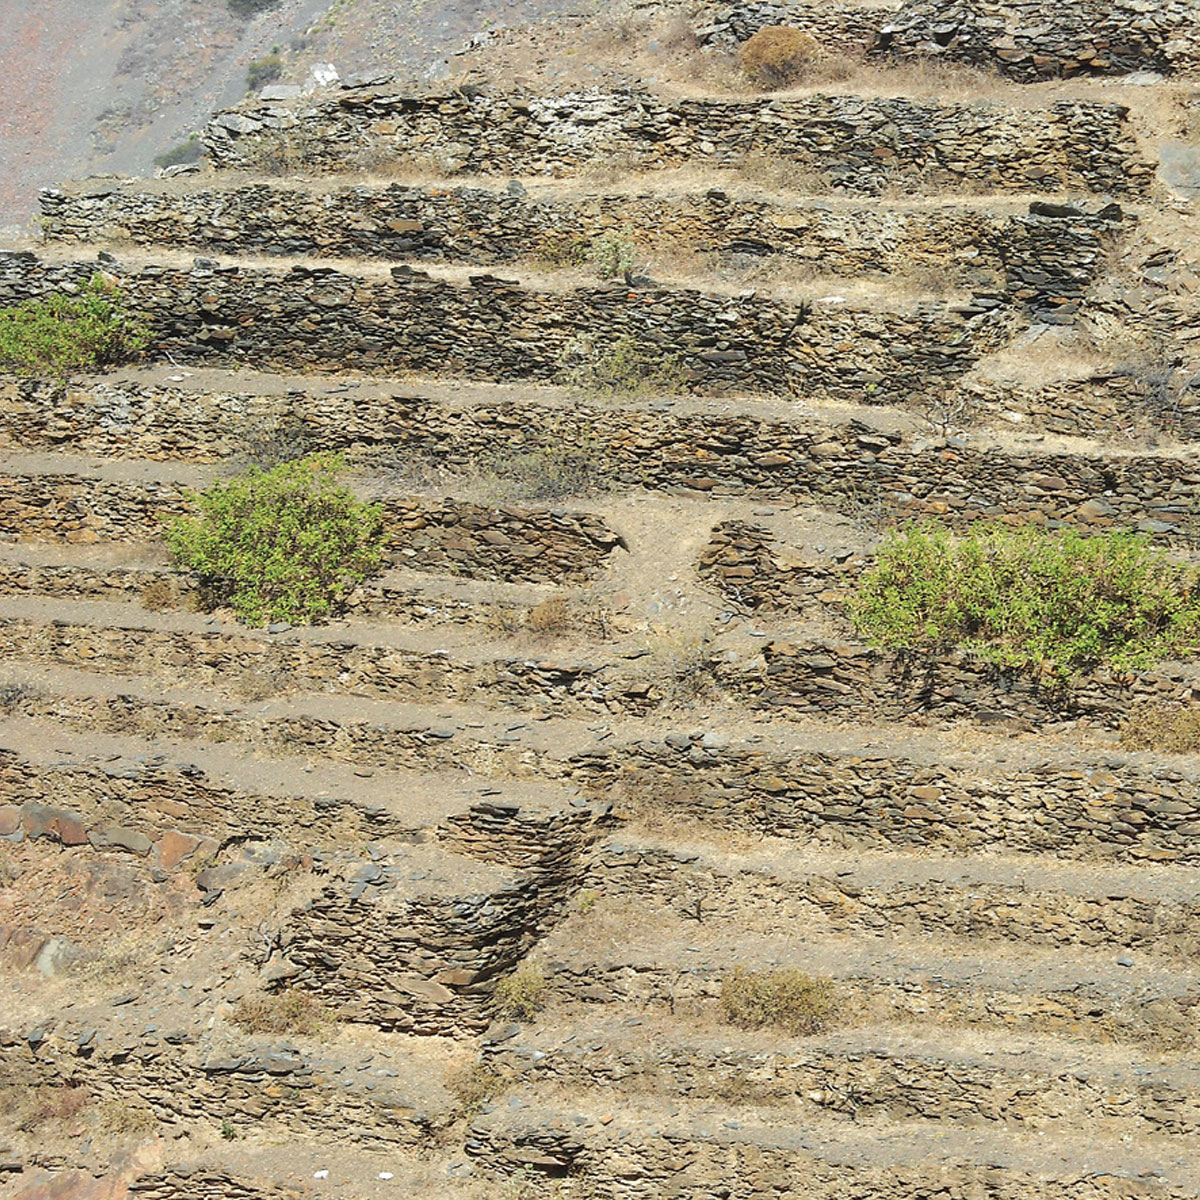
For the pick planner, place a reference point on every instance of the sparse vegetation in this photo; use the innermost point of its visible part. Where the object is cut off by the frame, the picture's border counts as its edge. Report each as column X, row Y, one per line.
column 779, row 56
column 1170, row 728
column 610, row 254
column 788, row 1000
column 621, row 367
column 287, row 544
column 190, row 150
column 250, row 8
column 290, row 1011
column 1030, row 596
column 64, row 332
column 159, row 595
column 473, row 1086
column 263, row 71
column 38, row 1105
column 522, row 993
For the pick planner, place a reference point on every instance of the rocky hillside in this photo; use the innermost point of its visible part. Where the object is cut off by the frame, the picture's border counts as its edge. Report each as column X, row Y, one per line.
column 591, row 851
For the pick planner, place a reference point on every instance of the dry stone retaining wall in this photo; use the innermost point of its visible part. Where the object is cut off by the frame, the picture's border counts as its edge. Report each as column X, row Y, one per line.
column 852, row 903
column 1046, row 263
column 453, row 537
column 849, row 467
column 1026, row 40
column 854, row 144
column 1090, row 809
column 854, row 1081
column 497, row 330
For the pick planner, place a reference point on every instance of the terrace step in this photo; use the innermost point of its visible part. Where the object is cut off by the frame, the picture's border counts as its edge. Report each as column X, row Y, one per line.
column 869, row 464
column 1072, row 145
column 833, row 786
column 648, row 1148
column 313, row 317
column 141, row 574
column 1027, row 901
column 991, row 1080
column 59, row 498
column 1049, row 261
column 184, row 796
column 677, row 965
column 352, row 659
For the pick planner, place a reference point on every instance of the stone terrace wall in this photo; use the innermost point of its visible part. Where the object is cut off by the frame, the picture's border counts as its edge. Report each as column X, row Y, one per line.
column 629, row 1161
column 1043, row 259
column 1031, row 40
column 1026, row 40
column 1105, row 809
column 747, row 564
column 848, row 29
column 497, row 330
column 850, row 681
column 451, row 537
column 848, row 466
column 833, row 902
column 853, row 144
column 815, row 1078
column 265, row 1084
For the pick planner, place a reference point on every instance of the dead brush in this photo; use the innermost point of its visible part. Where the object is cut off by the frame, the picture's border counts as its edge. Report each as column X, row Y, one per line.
column 159, row 595
column 290, row 1011
column 473, row 1086
column 1168, row 728
column 785, row 999
column 41, row 1104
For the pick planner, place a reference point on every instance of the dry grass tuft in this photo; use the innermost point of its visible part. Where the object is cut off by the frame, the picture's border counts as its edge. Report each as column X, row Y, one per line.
column 522, row 993
column 787, row 999
column 159, row 595
column 779, row 56
column 473, row 1086
column 289, row 1011
column 1164, row 727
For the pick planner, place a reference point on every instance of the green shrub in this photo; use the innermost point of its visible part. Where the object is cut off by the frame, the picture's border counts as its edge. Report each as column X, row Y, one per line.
column 787, row 999
column 190, row 150
column 250, row 8
column 263, row 71
column 1017, row 597
column 611, row 254
column 779, row 56
column 60, row 333
column 522, row 993
column 287, row 544
column 622, row 367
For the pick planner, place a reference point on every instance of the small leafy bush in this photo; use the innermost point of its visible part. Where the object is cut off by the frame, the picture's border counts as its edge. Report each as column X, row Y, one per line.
column 287, row 544
column 250, row 8
column 779, row 56
column 1017, row 597
column 1165, row 727
column 262, row 71
column 610, row 254
column 190, row 150
column 787, row 999
column 522, row 993
column 621, row 367
column 60, row 333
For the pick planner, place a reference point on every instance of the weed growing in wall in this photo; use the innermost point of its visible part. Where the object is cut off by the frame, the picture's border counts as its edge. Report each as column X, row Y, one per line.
column 623, row 367
column 287, row 544
column 1017, row 597
column 61, row 332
